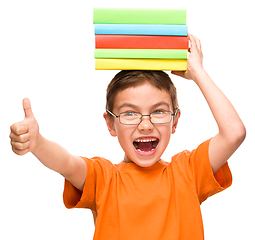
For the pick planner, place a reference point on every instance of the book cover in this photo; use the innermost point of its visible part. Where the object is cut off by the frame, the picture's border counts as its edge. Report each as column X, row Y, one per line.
column 141, row 29
column 141, row 53
column 141, row 42
column 140, row 16
column 141, row 64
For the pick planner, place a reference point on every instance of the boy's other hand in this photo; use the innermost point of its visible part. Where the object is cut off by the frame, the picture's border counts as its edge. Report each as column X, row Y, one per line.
column 25, row 134
column 195, row 59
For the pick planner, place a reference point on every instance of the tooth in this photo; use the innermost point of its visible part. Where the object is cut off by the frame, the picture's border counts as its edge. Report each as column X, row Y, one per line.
column 146, row 140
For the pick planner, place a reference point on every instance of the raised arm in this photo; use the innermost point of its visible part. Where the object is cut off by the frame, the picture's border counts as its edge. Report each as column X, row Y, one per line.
column 25, row 137
column 231, row 129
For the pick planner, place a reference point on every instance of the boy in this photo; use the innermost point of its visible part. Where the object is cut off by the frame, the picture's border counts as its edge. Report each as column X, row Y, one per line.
column 144, row 197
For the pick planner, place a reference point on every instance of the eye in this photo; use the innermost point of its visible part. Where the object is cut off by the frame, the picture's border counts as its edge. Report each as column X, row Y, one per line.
column 158, row 112
column 129, row 114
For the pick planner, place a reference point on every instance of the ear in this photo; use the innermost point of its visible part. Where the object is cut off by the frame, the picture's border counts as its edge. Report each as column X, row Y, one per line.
column 175, row 121
column 110, row 125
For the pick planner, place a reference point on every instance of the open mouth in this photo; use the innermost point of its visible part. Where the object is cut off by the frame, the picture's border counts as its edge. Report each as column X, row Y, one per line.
column 146, row 144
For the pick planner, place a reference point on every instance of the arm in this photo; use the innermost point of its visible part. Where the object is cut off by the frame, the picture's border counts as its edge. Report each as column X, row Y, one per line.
column 25, row 137
column 231, row 129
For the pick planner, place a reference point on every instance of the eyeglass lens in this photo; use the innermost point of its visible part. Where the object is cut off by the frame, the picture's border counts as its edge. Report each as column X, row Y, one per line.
column 131, row 118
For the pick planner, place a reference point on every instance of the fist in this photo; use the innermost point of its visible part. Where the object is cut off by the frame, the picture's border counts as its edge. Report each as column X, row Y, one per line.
column 24, row 135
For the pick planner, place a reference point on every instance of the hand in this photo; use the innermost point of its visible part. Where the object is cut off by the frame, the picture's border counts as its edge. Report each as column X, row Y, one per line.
column 25, row 134
column 195, row 59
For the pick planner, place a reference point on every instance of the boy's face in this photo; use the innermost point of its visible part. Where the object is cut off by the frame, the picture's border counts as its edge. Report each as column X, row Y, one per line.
column 144, row 143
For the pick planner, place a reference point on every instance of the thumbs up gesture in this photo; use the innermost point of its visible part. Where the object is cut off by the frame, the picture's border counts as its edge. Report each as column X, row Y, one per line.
column 25, row 134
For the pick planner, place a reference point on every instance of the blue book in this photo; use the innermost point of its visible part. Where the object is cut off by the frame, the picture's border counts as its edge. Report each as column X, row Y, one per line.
column 141, row 29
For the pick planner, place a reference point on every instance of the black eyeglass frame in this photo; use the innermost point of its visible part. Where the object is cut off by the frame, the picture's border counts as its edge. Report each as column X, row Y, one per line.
column 141, row 118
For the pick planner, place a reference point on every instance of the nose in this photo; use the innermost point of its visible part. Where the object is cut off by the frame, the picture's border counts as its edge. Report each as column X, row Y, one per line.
column 145, row 124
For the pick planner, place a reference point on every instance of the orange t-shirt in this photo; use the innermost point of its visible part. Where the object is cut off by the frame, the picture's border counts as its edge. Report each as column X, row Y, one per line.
column 160, row 202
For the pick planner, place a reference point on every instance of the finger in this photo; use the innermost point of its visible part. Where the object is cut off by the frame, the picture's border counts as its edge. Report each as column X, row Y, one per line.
column 190, row 36
column 27, row 108
column 20, row 152
column 198, row 43
column 19, row 138
column 20, row 146
column 19, row 129
column 194, row 42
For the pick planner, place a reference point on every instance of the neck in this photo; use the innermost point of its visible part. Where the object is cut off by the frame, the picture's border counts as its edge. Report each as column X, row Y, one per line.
column 128, row 160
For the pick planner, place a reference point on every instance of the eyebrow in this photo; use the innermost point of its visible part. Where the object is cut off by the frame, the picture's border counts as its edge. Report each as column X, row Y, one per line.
column 136, row 107
column 162, row 103
column 130, row 105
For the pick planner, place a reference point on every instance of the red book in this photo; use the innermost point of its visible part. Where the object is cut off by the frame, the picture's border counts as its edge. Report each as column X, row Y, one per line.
column 141, row 42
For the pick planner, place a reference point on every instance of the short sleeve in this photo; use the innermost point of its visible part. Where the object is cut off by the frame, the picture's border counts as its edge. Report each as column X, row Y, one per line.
column 196, row 168
column 99, row 172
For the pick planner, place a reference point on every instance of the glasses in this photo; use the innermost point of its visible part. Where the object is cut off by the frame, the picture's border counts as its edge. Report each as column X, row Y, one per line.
column 135, row 118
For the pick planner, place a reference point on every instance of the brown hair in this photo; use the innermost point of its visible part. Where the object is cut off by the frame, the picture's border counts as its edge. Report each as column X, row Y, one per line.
column 132, row 78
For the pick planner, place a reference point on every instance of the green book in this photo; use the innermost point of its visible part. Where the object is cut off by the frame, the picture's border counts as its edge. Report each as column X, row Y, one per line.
column 140, row 16
column 141, row 53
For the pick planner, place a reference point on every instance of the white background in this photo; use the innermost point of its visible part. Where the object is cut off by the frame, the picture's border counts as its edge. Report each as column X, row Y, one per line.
column 46, row 54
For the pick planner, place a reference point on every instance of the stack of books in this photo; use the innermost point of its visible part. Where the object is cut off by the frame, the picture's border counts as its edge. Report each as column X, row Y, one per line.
column 140, row 39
